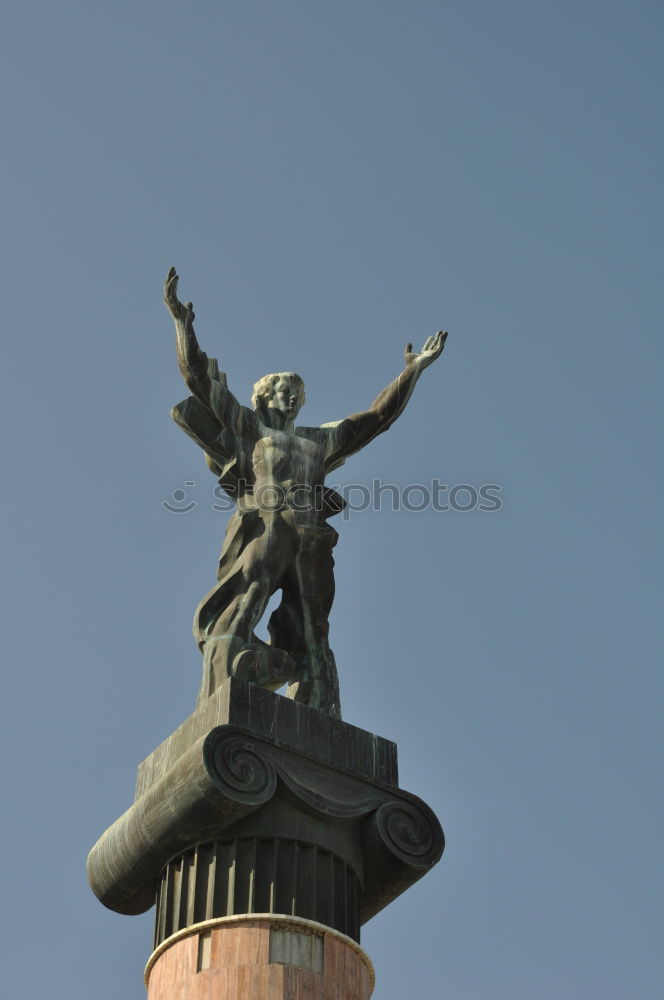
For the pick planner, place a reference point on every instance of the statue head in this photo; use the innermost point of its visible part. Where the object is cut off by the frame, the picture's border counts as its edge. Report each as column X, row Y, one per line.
column 282, row 391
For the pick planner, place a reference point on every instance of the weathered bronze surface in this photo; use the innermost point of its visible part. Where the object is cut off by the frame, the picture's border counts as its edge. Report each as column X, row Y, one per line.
column 260, row 804
column 279, row 537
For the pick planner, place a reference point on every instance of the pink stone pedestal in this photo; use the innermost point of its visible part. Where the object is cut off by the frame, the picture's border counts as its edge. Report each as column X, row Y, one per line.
column 259, row 957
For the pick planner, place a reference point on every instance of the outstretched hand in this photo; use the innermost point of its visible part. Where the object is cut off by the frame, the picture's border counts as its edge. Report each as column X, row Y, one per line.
column 193, row 362
column 180, row 313
column 433, row 348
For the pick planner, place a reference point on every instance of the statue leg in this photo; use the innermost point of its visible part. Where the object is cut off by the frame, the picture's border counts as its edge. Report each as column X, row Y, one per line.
column 300, row 623
column 229, row 645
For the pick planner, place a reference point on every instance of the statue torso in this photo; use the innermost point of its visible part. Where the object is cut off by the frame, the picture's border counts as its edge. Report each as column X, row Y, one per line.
column 287, row 468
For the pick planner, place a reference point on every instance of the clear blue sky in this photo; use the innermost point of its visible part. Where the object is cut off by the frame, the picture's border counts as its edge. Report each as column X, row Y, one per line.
column 333, row 180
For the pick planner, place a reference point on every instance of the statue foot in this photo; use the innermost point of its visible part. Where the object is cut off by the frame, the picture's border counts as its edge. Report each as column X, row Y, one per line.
column 316, row 685
column 263, row 665
column 255, row 662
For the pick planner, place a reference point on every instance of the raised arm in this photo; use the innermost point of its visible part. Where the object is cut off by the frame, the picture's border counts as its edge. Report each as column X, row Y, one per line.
column 359, row 429
column 192, row 361
column 202, row 377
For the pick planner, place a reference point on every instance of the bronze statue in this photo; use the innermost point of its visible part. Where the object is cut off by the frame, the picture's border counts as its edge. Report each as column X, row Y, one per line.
column 278, row 537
